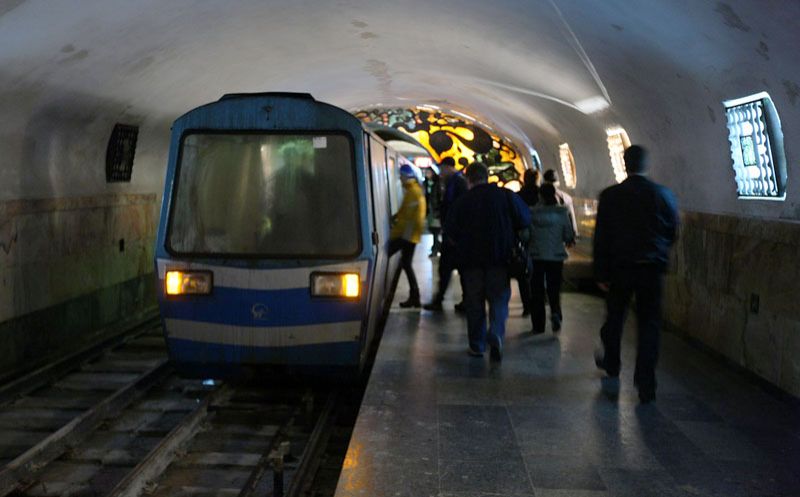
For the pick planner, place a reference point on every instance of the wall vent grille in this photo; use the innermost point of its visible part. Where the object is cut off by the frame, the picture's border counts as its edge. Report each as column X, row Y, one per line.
column 120, row 153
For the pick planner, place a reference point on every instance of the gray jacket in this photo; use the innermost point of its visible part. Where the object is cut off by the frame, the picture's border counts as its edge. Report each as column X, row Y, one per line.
column 551, row 229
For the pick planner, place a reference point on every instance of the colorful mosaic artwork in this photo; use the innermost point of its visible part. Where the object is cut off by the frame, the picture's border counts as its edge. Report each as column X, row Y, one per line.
column 447, row 135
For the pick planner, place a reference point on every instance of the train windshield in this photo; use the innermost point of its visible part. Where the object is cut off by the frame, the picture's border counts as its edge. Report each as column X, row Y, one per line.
column 263, row 195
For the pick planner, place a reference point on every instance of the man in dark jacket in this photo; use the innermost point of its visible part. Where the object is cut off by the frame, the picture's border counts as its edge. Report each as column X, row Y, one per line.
column 637, row 224
column 483, row 225
column 455, row 186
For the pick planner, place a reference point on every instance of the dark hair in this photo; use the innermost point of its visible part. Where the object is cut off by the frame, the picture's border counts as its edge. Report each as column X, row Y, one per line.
column 635, row 159
column 530, row 177
column 548, row 193
column 448, row 161
column 551, row 176
column 477, row 173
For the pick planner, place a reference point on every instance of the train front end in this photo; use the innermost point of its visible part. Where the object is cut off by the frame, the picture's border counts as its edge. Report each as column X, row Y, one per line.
column 261, row 253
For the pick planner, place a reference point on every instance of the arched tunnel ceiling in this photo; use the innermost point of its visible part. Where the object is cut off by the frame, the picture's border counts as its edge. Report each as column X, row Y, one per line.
column 528, row 66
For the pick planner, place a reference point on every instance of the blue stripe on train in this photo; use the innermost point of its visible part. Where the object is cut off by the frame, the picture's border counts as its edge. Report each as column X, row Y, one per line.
column 243, row 307
column 334, row 354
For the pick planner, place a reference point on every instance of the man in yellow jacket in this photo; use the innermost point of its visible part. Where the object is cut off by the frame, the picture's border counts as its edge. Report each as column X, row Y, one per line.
column 407, row 230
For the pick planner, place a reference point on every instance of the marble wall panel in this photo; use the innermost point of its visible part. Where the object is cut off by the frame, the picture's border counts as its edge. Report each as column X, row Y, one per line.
column 764, row 337
column 54, row 250
column 790, row 359
column 718, row 264
column 677, row 300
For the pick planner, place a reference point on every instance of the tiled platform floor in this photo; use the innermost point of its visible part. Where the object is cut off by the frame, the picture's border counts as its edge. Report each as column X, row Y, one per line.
column 544, row 423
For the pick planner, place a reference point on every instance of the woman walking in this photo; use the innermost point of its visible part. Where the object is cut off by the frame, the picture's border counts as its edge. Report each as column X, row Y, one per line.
column 552, row 232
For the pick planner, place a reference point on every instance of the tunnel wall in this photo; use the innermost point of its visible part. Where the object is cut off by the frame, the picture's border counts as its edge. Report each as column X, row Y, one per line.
column 73, row 267
column 76, row 252
column 734, row 286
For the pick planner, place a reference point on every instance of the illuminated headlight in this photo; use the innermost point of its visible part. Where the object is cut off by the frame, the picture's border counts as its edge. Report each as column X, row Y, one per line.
column 335, row 285
column 188, row 282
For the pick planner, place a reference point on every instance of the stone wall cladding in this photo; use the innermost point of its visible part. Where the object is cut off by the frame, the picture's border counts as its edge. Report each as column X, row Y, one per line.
column 55, row 250
column 64, row 276
column 718, row 263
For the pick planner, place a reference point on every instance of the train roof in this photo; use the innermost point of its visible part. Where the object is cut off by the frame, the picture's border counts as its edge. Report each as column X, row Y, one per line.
column 249, row 111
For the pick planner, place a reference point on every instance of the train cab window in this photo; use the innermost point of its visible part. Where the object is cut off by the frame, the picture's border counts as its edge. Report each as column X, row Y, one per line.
column 567, row 165
column 756, row 141
column 618, row 141
column 279, row 195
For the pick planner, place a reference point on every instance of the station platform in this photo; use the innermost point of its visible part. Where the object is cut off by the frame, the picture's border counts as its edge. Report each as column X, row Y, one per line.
column 545, row 423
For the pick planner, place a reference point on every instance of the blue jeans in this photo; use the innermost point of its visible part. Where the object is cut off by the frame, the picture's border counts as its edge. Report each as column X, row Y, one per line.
column 481, row 285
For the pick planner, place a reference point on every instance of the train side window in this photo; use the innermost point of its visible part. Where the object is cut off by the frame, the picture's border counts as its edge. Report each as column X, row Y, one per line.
column 567, row 165
column 756, row 146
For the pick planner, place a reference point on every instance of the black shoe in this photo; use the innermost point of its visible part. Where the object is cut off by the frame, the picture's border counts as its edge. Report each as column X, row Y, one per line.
column 536, row 332
column 496, row 354
column 435, row 305
column 556, row 322
column 461, row 308
column 600, row 362
column 411, row 302
column 474, row 353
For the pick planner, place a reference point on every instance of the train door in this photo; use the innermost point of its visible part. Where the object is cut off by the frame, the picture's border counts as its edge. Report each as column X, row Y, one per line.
column 375, row 153
column 394, row 190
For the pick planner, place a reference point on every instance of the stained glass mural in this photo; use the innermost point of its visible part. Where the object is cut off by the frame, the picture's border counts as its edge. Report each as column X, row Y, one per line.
column 447, row 135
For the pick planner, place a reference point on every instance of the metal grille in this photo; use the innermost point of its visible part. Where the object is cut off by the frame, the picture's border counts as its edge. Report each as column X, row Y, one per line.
column 120, row 152
column 750, row 150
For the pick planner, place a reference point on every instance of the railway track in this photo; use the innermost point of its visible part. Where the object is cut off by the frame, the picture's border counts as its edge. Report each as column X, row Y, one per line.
column 118, row 422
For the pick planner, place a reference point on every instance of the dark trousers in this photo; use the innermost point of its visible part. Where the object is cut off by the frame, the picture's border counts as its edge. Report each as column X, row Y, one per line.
column 646, row 283
column 447, row 265
column 524, row 292
column 481, row 285
column 545, row 278
column 406, row 258
column 436, row 247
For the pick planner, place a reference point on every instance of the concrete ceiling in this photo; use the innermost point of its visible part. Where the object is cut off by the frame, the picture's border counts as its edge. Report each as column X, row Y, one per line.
column 532, row 68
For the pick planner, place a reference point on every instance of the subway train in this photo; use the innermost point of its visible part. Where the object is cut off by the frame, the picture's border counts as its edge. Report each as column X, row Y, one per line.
column 272, row 245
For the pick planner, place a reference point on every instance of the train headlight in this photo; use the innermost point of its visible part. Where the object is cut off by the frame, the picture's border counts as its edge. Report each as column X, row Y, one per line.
column 346, row 285
column 188, row 282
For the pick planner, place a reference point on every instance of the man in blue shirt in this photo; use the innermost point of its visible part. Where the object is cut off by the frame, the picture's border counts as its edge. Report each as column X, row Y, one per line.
column 637, row 223
column 483, row 226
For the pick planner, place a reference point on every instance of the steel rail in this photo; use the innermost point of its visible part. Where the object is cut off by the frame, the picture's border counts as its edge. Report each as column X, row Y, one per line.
column 264, row 462
column 162, row 455
column 309, row 461
column 17, row 474
column 51, row 372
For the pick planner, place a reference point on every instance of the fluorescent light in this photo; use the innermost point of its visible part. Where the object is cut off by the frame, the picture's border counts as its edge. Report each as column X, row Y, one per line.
column 592, row 105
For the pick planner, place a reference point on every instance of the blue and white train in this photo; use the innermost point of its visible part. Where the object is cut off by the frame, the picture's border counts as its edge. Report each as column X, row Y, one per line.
column 271, row 248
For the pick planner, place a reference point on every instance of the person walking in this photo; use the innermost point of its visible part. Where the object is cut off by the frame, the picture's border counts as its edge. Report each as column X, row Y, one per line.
column 530, row 187
column 407, row 230
column 637, row 223
column 552, row 232
column 455, row 186
column 432, row 199
column 564, row 198
column 529, row 193
column 483, row 226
